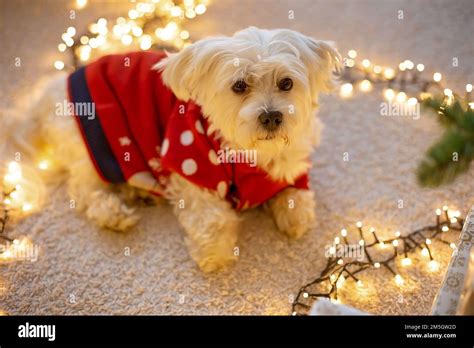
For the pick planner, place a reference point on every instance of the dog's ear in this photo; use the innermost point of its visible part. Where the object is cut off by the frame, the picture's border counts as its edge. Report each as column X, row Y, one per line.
column 324, row 61
column 186, row 73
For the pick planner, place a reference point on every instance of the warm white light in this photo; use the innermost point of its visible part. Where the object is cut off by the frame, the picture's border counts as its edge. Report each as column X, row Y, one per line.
column 389, row 73
column 127, row 39
column 352, row 54
column 62, row 47
column 361, row 242
column 340, row 281
column 402, row 66
column 344, row 232
column 395, row 243
column 81, row 4
column 433, row 265
column 377, row 265
column 133, row 14
column 437, row 76
column 438, row 212
column 399, row 280
column 346, row 90
column 71, row 31
column 305, row 295
column 412, row 101
column 365, row 86
column 401, row 97
column 360, row 283
column 350, row 63
column 448, row 92
column 453, row 220
column 389, row 94
column 428, row 241
column 59, row 65
column 382, row 245
column 366, row 63
column 445, row 229
column 337, row 240
column 332, row 277
column 184, row 34
column 200, row 9
column 43, row 165
column 406, row 261
column 468, row 88
column 409, row 64
column 145, row 42
column 452, row 245
column 420, row 67
column 27, row 207
column 359, row 224
column 377, row 69
column 340, row 261
column 425, row 252
column 397, row 234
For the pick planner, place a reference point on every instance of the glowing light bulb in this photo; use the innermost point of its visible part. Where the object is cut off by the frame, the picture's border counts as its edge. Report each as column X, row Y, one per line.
column 71, row 31
column 453, row 220
column 337, row 240
column 344, row 232
column 200, row 9
column 360, row 283
column 293, row 314
column 412, row 101
column 7, row 201
column 127, row 39
column 43, row 165
column 377, row 265
column 305, row 295
column 184, row 34
column 425, row 252
column 333, row 277
column 59, row 65
column 389, row 73
column 397, row 234
column 346, row 90
column 81, row 4
column 438, row 212
column 352, row 54
column 399, row 280
column 62, row 47
column 340, row 281
column 452, row 245
column 340, row 262
column 445, row 208
column 448, row 92
column 350, row 62
column 366, row 63
column 433, row 265
column 420, row 67
column 389, row 94
column 401, row 97
column 395, row 243
column 377, row 69
column 361, row 242
column 382, row 245
column 406, row 261
column 409, row 64
column 402, row 66
column 365, row 86
column 27, row 207
column 359, row 224
column 437, row 76
column 445, row 229
column 468, row 88
column 133, row 14
column 145, row 42
column 428, row 241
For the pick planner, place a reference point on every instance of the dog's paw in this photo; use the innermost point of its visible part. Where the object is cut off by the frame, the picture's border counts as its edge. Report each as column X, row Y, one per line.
column 294, row 211
column 107, row 210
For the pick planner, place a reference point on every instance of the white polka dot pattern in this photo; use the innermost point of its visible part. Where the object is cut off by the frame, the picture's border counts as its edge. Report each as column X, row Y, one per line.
column 189, row 166
column 186, row 138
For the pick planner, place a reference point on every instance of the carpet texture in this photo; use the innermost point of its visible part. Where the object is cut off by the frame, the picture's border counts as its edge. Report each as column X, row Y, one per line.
column 81, row 262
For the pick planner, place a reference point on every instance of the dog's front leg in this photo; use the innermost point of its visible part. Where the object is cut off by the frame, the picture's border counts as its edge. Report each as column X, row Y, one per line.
column 293, row 211
column 209, row 221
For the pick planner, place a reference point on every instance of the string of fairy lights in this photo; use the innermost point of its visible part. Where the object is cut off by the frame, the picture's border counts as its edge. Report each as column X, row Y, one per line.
column 400, row 248
column 148, row 25
column 405, row 85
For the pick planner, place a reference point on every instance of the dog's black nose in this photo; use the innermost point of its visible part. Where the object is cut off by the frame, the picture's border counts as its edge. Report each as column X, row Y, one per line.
column 271, row 120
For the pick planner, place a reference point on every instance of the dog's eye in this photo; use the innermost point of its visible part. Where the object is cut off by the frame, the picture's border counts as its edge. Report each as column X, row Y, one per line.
column 239, row 87
column 286, row 84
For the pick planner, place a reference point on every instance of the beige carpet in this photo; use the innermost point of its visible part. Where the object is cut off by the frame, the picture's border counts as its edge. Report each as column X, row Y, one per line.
column 158, row 277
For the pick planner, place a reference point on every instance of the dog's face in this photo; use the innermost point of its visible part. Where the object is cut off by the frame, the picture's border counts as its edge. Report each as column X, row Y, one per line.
column 259, row 88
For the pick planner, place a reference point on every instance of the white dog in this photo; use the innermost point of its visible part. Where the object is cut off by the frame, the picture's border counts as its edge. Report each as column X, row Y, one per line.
column 258, row 91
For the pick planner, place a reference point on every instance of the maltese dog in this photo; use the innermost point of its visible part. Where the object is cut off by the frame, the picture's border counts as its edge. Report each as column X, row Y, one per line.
column 224, row 125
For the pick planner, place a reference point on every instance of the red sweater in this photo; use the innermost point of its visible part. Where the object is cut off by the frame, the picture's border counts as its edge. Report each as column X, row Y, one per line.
column 140, row 133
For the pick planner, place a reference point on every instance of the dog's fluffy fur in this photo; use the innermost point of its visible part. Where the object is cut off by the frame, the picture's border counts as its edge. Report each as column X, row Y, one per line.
column 205, row 72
